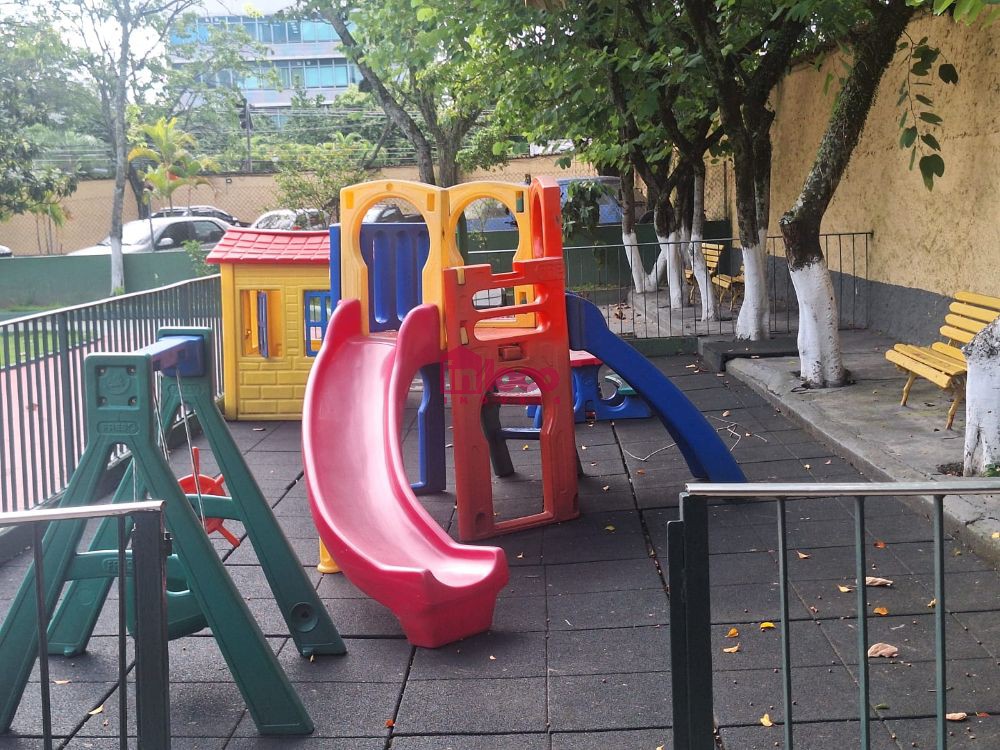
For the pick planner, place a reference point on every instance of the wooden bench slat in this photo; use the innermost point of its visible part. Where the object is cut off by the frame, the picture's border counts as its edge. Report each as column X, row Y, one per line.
column 949, row 351
column 932, row 358
column 940, row 379
column 983, row 314
column 980, row 300
column 966, row 324
column 957, row 334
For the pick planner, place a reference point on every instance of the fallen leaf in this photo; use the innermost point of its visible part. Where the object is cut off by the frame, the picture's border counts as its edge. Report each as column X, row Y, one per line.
column 524, row 447
column 765, row 720
column 389, row 723
column 844, row 589
column 767, row 626
column 879, row 544
column 881, row 611
column 882, row 650
column 726, row 413
column 257, row 429
column 882, row 707
column 828, row 462
column 449, row 445
column 60, row 682
column 492, row 657
column 641, row 472
column 312, row 658
column 957, row 716
column 605, row 488
column 732, row 649
column 98, row 710
column 876, row 581
column 733, row 633
column 982, row 714
column 583, row 447
column 690, row 367
column 520, row 555
column 995, row 535
column 609, row 527
column 803, row 555
column 932, row 603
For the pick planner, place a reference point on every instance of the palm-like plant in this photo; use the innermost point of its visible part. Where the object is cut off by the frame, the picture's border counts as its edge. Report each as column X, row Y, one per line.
column 170, row 149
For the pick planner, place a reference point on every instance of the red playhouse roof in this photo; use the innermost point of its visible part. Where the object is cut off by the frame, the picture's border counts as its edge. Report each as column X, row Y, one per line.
column 271, row 246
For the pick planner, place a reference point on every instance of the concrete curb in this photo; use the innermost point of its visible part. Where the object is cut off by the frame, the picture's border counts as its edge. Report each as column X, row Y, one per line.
column 964, row 515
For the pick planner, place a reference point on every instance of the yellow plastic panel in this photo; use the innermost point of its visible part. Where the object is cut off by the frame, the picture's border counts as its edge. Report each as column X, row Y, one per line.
column 515, row 198
column 429, row 200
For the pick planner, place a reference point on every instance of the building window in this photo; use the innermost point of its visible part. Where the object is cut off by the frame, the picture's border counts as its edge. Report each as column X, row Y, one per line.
column 318, row 309
column 260, row 311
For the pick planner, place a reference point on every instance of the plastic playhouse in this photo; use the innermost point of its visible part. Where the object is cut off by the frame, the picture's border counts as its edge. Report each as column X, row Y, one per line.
column 405, row 305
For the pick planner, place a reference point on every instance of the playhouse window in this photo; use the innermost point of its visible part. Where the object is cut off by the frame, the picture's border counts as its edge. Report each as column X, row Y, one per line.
column 261, row 315
column 318, row 308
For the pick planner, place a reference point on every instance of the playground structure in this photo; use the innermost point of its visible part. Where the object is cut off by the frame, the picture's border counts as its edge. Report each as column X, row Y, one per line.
column 402, row 309
column 131, row 401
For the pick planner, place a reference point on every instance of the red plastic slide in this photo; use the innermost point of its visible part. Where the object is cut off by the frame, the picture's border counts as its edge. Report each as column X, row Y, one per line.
column 366, row 513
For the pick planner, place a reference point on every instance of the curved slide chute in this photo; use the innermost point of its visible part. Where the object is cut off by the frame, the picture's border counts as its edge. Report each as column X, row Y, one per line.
column 706, row 455
column 365, row 511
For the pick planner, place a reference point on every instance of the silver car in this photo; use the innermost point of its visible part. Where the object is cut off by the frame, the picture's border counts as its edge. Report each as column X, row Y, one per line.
column 149, row 235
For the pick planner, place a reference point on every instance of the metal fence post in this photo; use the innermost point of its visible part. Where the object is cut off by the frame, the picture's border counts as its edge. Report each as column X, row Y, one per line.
column 152, row 672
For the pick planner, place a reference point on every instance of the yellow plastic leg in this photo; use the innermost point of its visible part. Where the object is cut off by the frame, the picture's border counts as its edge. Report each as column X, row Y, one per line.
column 326, row 563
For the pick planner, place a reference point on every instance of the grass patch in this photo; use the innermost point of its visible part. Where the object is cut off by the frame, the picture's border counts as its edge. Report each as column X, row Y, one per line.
column 21, row 347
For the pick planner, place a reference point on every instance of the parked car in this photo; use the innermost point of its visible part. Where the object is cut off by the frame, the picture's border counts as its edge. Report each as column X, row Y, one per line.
column 298, row 219
column 149, row 235
column 385, row 212
column 6, row 252
column 212, row 211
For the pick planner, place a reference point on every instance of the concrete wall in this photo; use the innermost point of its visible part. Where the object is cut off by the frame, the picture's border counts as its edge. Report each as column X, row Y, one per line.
column 933, row 243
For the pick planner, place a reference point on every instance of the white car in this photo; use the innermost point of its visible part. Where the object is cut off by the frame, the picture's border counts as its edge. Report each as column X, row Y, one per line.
column 149, row 235
column 289, row 220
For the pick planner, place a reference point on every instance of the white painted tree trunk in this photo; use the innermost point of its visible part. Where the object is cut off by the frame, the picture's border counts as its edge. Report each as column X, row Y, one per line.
column 640, row 279
column 982, row 401
column 820, row 359
column 669, row 261
column 753, row 322
column 696, row 256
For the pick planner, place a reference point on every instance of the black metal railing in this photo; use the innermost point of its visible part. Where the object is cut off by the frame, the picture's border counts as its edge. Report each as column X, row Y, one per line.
column 145, row 565
column 602, row 274
column 41, row 377
column 690, row 608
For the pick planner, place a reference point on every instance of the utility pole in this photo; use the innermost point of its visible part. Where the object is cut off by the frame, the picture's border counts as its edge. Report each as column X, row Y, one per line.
column 246, row 122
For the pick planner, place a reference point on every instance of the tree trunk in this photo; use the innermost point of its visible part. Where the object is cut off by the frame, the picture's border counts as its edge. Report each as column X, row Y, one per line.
column 982, row 401
column 696, row 256
column 399, row 116
column 121, row 157
column 629, row 239
column 819, row 340
column 447, row 162
column 669, row 259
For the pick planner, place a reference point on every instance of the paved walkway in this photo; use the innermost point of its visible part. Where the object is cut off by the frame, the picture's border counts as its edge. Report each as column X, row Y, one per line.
column 579, row 654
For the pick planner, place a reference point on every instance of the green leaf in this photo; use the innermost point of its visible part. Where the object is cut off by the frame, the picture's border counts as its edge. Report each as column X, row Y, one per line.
column 826, row 85
column 924, row 100
column 931, row 141
column 930, row 117
column 930, row 167
column 913, row 157
column 908, row 137
column 940, row 6
column 902, row 120
column 947, row 73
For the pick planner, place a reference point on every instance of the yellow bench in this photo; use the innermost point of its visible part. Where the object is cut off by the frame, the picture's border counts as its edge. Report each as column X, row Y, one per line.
column 943, row 363
column 712, row 253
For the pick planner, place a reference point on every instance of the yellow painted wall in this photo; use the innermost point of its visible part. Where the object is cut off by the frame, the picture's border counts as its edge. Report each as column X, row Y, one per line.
column 271, row 388
column 941, row 241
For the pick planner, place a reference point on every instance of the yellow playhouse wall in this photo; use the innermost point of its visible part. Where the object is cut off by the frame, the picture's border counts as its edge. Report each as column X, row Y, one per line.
column 271, row 388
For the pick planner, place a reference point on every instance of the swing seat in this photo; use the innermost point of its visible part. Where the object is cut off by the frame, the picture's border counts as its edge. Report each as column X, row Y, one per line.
column 184, row 616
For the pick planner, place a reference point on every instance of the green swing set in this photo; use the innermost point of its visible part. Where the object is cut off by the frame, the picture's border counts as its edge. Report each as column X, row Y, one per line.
column 125, row 408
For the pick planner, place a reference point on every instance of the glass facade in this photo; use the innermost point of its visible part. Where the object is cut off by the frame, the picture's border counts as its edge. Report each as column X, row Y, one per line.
column 302, row 54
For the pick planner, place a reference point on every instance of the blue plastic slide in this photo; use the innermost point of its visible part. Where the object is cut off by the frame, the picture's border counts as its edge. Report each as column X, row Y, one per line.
column 706, row 455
